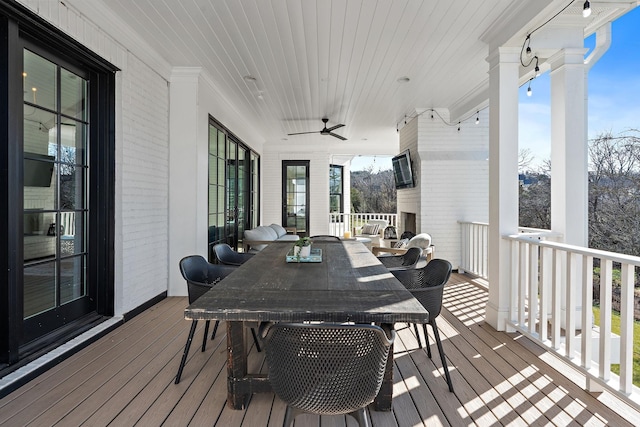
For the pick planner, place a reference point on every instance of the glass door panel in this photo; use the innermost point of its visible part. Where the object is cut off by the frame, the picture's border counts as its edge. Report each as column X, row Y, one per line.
column 55, row 137
column 295, row 195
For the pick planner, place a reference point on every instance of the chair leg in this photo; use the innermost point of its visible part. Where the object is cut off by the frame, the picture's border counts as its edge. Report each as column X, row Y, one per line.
column 442, row 358
column 206, row 335
column 426, row 338
column 289, row 415
column 362, row 417
column 215, row 329
column 186, row 350
column 255, row 339
column 415, row 327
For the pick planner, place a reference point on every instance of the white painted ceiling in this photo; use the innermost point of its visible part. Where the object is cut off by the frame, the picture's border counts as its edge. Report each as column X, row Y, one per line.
column 339, row 59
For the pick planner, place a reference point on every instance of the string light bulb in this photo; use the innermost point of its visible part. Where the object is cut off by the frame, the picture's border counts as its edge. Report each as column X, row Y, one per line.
column 586, row 9
column 537, row 69
column 458, row 126
column 478, row 117
column 529, row 91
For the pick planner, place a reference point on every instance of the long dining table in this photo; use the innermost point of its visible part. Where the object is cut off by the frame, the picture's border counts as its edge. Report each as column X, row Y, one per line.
column 348, row 285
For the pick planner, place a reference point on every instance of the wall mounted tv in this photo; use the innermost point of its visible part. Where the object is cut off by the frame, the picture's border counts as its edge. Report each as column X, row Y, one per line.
column 38, row 169
column 402, row 174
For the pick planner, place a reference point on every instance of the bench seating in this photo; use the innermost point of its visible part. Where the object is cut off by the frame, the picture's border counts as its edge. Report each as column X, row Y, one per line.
column 258, row 238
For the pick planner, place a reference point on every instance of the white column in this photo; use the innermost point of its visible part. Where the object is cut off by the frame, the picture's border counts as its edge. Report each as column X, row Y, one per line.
column 569, row 158
column 504, row 64
column 569, row 149
column 183, row 174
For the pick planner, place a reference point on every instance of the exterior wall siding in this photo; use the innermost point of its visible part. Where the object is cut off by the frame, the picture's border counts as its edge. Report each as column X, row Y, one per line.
column 446, row 162
column 142, row 166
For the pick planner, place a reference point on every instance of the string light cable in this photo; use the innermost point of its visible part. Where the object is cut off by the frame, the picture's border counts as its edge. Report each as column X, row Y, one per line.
column 526, row 48
column 434, row 113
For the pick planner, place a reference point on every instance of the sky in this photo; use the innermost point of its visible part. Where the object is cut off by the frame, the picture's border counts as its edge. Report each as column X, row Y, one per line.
column 614, row 92
column 614, row 96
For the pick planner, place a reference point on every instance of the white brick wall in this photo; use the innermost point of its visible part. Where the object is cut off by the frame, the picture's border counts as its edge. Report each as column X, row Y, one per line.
column 451, row 169
column 142, row 170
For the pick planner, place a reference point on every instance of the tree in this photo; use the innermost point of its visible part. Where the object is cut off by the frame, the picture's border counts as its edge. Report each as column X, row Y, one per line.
column 373, row 192
column 614, row 193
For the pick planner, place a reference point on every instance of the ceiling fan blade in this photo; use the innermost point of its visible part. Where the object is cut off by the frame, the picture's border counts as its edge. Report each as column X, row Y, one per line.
column 338, row 136
column 335, row 127
column 301, row 133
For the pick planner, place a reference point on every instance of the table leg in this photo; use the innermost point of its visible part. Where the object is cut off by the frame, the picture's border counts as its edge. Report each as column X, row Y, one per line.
column 384, row 398
column 236, row 365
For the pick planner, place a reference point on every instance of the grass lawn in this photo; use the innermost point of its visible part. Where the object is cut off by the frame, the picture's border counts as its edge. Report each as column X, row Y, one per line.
column 615, row 328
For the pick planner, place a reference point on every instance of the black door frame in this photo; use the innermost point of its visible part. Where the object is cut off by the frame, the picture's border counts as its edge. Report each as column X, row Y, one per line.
column 285, row 164
column 18, row 24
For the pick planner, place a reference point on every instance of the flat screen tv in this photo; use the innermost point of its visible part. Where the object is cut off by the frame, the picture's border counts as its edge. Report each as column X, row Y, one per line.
column 402, row 170
column 38, row 169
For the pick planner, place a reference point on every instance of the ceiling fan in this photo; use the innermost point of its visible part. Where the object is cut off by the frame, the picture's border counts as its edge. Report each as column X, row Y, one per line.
column 325, row 130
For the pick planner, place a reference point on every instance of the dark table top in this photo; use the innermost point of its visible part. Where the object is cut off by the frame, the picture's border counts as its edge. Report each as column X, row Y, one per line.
column 349, row 285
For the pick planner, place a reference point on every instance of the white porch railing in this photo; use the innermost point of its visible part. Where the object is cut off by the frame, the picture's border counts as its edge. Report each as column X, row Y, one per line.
column 552, row 283
column 474, row 238
column 341, row 222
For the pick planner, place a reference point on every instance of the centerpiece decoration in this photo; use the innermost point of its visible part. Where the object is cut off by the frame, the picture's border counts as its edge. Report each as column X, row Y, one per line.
column 302, row 248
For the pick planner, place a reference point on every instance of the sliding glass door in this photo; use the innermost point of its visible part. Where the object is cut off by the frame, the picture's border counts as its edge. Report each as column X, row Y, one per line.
column 233, row 188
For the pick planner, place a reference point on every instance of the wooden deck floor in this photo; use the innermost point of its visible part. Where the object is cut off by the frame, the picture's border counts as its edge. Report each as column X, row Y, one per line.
column 126, row 379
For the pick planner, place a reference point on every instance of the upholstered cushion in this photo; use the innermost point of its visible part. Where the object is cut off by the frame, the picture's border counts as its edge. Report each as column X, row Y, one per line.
column 289, row 238
column 268, row 231
column 401, row 243
column 259, row 234
column 370, row 229
column 422, row 241
column 280, row 231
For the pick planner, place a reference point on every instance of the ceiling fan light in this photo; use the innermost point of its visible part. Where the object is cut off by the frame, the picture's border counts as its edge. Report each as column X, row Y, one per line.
column 586, row 9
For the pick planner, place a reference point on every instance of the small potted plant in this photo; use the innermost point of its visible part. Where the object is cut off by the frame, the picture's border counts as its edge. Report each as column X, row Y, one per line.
column 302, row 248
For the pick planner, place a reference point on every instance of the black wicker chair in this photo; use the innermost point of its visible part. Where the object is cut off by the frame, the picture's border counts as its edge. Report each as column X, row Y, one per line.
column 327, row 369
column 202, row 276
column 427, row 285
column 405, row 261
column 228, row 256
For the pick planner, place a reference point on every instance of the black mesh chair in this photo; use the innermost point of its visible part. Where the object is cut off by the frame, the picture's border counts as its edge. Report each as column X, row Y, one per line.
column 202, row 276
column 325, row 238
column 326, row 369
column 228, row 256
column 427, row 285
column 405, row 261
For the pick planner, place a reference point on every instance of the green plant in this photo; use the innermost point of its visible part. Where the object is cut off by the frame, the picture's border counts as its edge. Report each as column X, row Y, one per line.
column 305, row 241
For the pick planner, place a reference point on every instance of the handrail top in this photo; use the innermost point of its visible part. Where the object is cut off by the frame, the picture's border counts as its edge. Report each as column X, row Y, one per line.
column 596, row 253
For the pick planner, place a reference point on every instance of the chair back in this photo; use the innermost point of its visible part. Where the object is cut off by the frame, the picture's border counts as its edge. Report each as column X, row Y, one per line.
column 326, row 368
column 201, row 275
column 427, row 283
column 325, row 238
column 228, row 256
column 407, row 260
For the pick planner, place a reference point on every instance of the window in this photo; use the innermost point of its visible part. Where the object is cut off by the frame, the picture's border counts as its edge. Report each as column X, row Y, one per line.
column 336, row 199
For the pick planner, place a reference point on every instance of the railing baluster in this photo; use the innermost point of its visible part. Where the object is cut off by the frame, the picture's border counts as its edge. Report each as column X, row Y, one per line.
column 587, row 312
column 606, row 284
column 570, row 304
column 533, row 287
column 626, row 328
column 556, row 289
